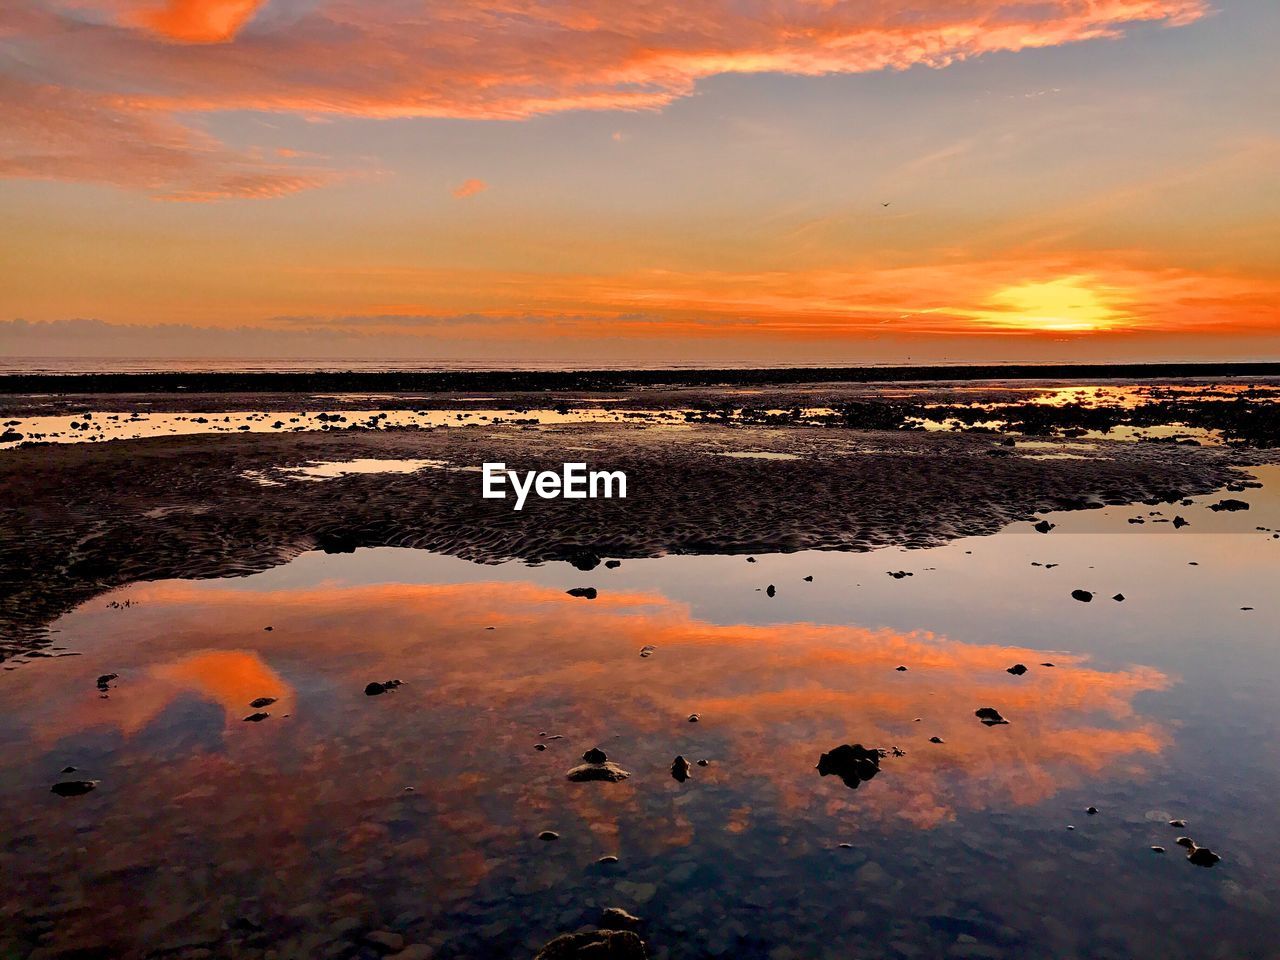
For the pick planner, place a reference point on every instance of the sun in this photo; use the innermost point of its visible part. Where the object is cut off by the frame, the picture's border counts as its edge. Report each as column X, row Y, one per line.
column 1066, row 305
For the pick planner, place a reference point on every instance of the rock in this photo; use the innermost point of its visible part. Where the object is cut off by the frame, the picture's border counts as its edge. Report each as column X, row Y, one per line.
column 680, row 769
column 852, row 763
column 68, row 770
column 539, row 746
column 704, row 763
column 74, row 788
column 385, row 941
column 262, row 702
column 596, row 766
column 771, row 590
column 10, row 436
column 1091, row 811
column 586, row 593
column 1180, row 522
column 900, row 668
column 1018, row 669
column 615, row 918
column 647, row 650
column 106, row 678
column 1202, row 856
column 1157, row 849
column 1185, row 842
column 256, row 717
column 608, row 858
column 1046, row 664
column 1177, row 823
column 1084, row 596
column 376, row 688
column 899, row 574
column 808, row 579
column 1118, row 598
column 694, row 718
column 936, row 740
column 548, row 835
column 612, row 564
column 594, row 945
column 751, row 559
column 1044, row 526
column 989, row 715
column 268, row 629
column 1231, row 506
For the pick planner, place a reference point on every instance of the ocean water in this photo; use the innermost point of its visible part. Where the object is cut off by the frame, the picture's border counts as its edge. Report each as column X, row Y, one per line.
column 418, row 812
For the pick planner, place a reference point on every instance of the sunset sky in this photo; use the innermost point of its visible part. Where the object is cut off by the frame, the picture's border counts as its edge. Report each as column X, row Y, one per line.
column 695, row 181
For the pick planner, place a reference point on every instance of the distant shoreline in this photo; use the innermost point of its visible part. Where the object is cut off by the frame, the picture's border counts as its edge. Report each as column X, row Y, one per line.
column 526, row 380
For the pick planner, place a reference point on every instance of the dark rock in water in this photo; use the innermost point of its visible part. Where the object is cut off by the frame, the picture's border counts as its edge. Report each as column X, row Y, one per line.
column 694, row 718
column 1157, row 849
column 900, row 668
column 936, row 740
column 602, row 771
column 1180, row 522
column 680, row 769
column 1091, row 811
column 615, row 918
column 262, row 702
column 585, row 561
column 1203, row 856
column 704, row 763
column 1084, row 596
column 256, row 717
column 1044, row 526
column 899, row 574
column 1118, row 598
column 595, row 755
column 608, row 858
column 10, row 436
column 106, row 678
column 548, row 835
column 771, row 590
column 1018, row 669
column 587, row 593
column 647, row 650
column 268, row 629
column 68, row 770
column 74, row 788
column 808, row 579
column 612, row 564
column 376, row 688
column 539, row 746
column 852, row 763
column 1046, row 664
column 1230, row 506
column 751, row 559
column 1185, row 842
column 1177, row 823
column 989, row 715
column 595, row 945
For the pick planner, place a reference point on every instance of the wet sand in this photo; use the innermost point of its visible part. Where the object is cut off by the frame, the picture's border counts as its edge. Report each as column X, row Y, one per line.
column 81, row 519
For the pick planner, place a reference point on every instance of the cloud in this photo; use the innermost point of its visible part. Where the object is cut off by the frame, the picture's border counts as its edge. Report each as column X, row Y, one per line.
column 198, row 21
column 144, row 62
column 52, row 132
column 469, row 188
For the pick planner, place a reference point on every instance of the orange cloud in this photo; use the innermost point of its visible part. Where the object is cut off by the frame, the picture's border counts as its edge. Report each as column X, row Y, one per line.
column 199, row 21
column 506, row 59
column 469, row 188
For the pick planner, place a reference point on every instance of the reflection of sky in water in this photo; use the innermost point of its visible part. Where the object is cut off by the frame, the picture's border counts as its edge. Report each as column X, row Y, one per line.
column 1159, row 706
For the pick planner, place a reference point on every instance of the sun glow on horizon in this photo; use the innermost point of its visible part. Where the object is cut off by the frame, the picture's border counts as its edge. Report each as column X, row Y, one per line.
column 1065, row 305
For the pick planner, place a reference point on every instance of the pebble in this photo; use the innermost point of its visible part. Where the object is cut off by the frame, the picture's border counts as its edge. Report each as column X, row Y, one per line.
column 586, row 593
column 262, row 702
column 989, row 715
column 548, row 835
column 256, row 717
column 1018, row 669
column 74, row 788
column 1084, row 596
column 647, row 650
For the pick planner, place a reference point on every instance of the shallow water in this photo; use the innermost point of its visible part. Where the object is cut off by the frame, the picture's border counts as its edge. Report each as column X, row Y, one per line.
column 300, row 832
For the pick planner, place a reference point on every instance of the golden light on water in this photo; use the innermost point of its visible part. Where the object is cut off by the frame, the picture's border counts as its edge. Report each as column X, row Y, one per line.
column 1067, row 305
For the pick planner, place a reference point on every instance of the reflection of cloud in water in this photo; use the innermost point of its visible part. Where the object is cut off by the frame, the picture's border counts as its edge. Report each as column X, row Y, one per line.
column 772, row 698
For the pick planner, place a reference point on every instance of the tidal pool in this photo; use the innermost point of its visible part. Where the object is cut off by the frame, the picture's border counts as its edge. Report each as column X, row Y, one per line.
column 417, row 813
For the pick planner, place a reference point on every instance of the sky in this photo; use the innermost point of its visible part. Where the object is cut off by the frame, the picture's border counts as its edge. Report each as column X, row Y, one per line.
column 764, row 181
